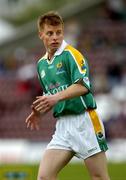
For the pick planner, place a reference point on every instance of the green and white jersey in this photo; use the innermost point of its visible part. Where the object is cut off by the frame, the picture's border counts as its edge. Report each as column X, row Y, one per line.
column 66, row 68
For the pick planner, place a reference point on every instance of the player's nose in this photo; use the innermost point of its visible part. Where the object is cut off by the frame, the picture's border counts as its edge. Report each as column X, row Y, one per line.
column 55, row 36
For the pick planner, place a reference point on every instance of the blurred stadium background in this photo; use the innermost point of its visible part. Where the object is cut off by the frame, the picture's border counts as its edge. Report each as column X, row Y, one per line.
column 98, row 29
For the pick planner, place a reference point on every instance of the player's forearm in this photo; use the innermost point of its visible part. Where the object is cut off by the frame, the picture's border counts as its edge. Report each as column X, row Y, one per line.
column 72, row 91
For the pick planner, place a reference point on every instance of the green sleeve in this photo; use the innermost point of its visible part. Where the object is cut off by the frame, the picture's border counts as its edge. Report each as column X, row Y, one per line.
column 77, row 69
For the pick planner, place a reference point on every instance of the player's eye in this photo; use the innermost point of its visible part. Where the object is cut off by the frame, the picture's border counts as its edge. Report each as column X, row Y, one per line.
column 58, row 33
column 49, row 33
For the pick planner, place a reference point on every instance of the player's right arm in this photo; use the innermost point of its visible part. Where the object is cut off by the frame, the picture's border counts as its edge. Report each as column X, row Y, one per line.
column 32, row 121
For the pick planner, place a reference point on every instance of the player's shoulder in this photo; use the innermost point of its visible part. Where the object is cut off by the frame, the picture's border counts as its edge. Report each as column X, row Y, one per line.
column 73, row 51
column 42, row 58
column 70, row 48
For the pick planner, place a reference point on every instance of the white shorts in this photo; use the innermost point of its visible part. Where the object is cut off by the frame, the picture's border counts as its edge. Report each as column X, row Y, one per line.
column 82, row 134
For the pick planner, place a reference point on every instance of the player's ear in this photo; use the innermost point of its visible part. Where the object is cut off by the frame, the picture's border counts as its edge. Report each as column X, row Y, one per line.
column 40, row 34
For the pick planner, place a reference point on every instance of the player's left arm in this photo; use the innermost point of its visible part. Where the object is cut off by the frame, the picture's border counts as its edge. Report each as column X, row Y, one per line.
column 75, row 90
column 43, row 104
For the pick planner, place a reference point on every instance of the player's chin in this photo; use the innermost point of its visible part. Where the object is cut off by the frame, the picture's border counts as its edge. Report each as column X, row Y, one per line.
column 54, row 47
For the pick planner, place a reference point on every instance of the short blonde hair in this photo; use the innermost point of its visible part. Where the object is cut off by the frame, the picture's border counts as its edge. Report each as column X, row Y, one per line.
column 49, row 18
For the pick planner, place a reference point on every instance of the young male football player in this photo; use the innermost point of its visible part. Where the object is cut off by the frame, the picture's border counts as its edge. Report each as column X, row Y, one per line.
column 64, row 76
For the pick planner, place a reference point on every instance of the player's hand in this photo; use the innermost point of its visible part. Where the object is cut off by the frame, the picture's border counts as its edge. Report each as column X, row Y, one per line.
column 43, row 104
column 32, row 121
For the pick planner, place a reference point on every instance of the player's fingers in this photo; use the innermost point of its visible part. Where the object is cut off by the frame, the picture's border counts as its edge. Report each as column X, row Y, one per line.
column 44, row 110
column 32, row 107
column 40, row 102
column 32, row 126
column 41, row 105
column 28, row 118
column 36, row 126
column 41, row 98
column 38, row 106
column 26, row 121
column 28, row 124
column 37, row 97
column 36, row 102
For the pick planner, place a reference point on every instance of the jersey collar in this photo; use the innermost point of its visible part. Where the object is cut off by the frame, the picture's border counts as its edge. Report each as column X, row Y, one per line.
column 61, row 48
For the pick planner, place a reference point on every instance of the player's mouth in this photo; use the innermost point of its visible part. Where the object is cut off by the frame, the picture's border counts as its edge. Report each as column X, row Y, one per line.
column 55, row 44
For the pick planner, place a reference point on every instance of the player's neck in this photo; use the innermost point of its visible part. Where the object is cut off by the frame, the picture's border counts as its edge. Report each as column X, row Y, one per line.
column 50, row 55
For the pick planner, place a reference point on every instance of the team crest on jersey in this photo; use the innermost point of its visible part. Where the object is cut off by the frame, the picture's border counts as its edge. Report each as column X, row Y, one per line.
column 59, row 65
column 83, row 66
column 42, row 74
column 60, row 68
column 100, row 135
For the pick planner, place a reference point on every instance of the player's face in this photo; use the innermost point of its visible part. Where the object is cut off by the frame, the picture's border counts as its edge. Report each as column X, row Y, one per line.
column 52, row 37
